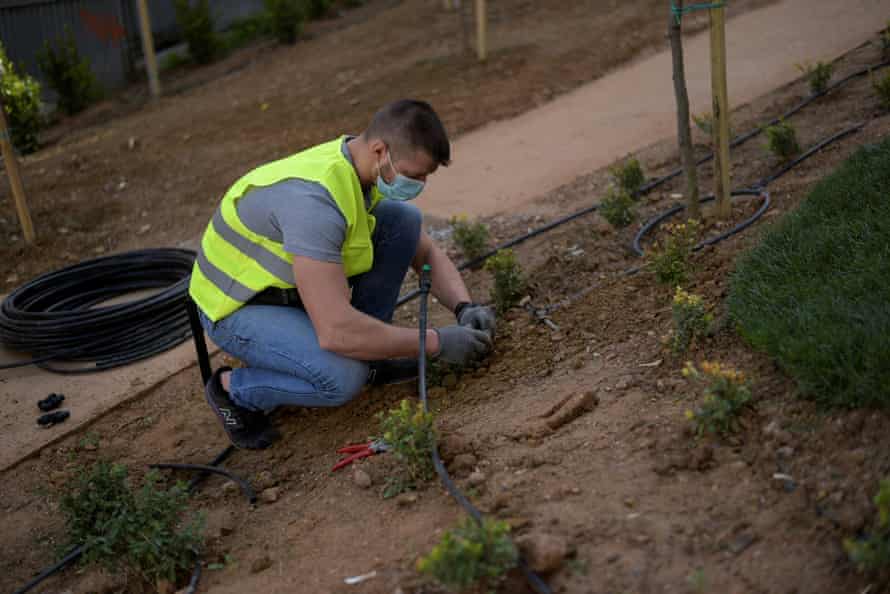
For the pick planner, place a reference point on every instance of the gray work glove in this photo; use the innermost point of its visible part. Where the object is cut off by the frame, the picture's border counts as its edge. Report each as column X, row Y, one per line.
column 480, row 317
column 460, row 345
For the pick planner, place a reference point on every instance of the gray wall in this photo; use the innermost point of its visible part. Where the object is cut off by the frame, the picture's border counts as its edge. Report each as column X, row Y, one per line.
column 106, row 31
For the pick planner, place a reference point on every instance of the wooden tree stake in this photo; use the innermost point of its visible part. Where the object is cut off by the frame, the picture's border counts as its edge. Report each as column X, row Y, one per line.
column 722, row 188
column 481, row 26
column 15, row 180
column 148, row 49
column 675, row 32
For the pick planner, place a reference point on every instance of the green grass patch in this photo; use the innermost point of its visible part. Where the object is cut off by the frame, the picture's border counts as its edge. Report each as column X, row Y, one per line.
column 815, row 293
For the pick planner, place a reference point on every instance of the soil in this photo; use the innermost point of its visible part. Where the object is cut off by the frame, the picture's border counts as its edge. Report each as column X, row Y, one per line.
column 614, row 478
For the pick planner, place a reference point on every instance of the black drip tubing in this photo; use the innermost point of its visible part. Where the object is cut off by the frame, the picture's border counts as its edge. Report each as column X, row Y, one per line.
column 533, row 579
column 57, row 317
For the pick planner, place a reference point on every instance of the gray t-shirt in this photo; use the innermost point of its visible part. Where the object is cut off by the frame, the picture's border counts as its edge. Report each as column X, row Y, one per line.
column 300, row 214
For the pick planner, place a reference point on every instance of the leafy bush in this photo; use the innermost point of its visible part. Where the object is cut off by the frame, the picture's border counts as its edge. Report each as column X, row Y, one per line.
column 144, row 531
column 882, row 88
column 782, row 140
column 21, row 101
column 173, row 60
column 196, row 23
column 814, row 293
column 691, row 319
column 818, row 75
column 68, row 74
column 285, row 18
column 873, row 553
column 409, row 432
column 316, row 9
column 471, row 553
column 628, row 176
column 726, row 395
column 242, row 31
column 618, row 207
column 509, row 282
column 471, row 238
column 670, row 258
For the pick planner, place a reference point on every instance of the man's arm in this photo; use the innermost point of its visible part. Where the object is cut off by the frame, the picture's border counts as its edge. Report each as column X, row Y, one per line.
column 340, row 327
column 448, row 284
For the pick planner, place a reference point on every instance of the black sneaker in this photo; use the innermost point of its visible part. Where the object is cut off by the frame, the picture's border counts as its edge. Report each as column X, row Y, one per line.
column 246, row 429
column 392, row 371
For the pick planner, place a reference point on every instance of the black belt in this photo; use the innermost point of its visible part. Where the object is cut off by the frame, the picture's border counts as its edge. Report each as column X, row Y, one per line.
column 275, row 296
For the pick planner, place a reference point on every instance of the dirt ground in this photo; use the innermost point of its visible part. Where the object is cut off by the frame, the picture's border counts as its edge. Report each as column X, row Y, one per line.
column 639, row 504
column 128, row 174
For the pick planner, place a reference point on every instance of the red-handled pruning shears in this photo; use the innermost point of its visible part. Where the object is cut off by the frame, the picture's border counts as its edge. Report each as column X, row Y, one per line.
column 359, row 451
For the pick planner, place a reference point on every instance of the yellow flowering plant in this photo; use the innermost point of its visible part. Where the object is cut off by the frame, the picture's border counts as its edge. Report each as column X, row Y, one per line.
column 409, row 432
column 471, row 553
column 691, row 319
column 726, row 394
column 670, row 258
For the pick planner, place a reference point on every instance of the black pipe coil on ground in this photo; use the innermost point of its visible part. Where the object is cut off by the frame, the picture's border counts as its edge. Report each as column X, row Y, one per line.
column 57, row 317
column 533, row 579
column 246, row 489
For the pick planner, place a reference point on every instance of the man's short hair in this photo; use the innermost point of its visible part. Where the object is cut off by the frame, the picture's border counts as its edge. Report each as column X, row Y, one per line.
column 408, row 125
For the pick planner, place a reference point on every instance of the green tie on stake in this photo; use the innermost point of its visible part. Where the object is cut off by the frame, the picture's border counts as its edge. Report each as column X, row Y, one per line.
column 678, row 12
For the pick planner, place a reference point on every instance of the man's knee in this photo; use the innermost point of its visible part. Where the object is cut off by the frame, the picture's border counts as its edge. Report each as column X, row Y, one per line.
column 346, row 385
column 403, row 220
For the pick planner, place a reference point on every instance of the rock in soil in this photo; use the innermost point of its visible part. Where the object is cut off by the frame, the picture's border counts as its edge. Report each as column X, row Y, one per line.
column 361, row 478
column 463, row 463
column 406, row 499
column 476, row 479
column 270, row 495
column 265, row 480
column 544, row 552
column 261, row 564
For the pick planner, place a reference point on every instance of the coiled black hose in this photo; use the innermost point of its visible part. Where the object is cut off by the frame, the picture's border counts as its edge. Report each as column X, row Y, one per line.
column 534, row 580
column 57, row 317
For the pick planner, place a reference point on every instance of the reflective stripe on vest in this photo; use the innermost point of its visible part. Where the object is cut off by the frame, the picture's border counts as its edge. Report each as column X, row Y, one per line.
column 234, row 263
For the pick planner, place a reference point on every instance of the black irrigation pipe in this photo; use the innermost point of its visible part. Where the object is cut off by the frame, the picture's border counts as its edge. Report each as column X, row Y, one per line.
column 246, row 489
column 658, row 181
column 76, row 553
column 57, row 317
column 533, row 579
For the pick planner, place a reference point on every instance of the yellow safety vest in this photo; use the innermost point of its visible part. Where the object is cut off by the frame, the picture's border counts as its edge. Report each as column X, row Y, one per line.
column 234, row 263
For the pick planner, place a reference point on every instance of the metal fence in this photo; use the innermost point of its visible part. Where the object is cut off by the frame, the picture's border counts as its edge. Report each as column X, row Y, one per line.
column 106, row 31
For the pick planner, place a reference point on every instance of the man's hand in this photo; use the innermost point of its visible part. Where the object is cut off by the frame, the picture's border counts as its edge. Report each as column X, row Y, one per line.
column 460, row 345
column 479, row 317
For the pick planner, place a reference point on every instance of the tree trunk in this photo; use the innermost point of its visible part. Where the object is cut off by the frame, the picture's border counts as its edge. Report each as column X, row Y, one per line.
column 693, row 209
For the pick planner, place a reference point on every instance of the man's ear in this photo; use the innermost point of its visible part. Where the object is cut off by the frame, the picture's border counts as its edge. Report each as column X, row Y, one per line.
column 377, row 147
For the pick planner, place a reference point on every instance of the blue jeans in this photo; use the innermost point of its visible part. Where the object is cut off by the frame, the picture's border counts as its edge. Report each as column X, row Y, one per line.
column 284, row 363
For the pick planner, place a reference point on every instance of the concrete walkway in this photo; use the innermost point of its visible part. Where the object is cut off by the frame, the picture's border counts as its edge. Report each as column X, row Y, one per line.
column 507, row 164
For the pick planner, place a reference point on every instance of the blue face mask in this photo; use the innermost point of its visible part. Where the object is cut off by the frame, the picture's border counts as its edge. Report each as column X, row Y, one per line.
column 402, row 188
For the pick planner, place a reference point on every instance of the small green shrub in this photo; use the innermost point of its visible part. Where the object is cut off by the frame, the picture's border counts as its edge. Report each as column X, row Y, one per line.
column 670, row 259
column 286, row 18
column 882, row 88
column 629, row 176
column 691, row 320
column 173, row 60
column 509, row 282
column 316, row 9
column 782, row 140
column 470, row 554
column 618, row 207
column 243, row 31
column 143, row 532
column 818, row 75
column 21, row 101
column 471, row 238
column 726, row 395
column 196, row 23
column 409, row 432
column 873, row 553
column 813, row 294
column 68, row 74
